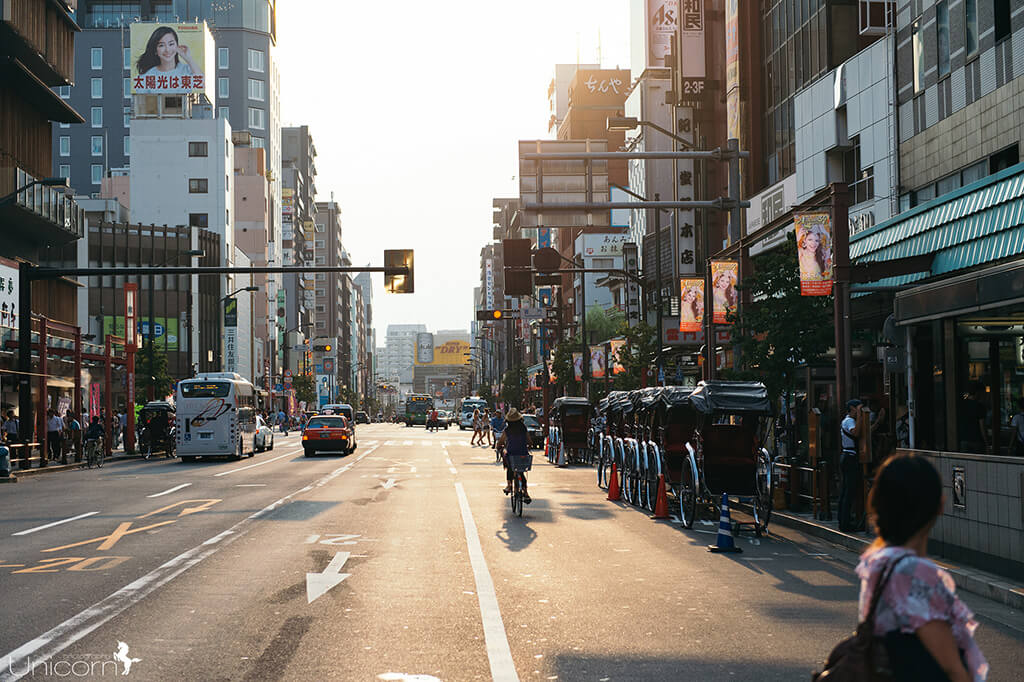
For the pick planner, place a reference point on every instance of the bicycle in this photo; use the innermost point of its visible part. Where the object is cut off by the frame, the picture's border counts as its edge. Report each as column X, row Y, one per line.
column 94, row 453
column 519, row 464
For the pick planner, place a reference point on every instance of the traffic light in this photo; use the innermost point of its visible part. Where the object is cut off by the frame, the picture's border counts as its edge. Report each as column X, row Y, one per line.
column 323, row 348
column 517, row 257
column 489, row 315
column 395, row 283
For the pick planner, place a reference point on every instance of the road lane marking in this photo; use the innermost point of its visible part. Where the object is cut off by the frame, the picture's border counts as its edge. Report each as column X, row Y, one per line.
column 503, row 668
column 206, row 504
column 453, row 470
column 250, row 485
column 258, row 464
column 390, row 443
column 427, row 443
column 408, row 442
column 110, row 540
column 318, row 584
column 44, row 647
column 390, row 483
column 55, row 523
column 171, row 490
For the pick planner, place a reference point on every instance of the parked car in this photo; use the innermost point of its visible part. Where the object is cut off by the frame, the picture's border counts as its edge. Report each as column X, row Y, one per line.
column 534, row 431
column 330, row 433
column 264, row 437
column 362, row 418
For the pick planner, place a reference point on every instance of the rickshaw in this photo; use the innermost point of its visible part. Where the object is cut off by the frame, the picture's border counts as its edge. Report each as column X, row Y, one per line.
column 618, row 415
column 156, row 428
column 727, row 424
column 570, row 421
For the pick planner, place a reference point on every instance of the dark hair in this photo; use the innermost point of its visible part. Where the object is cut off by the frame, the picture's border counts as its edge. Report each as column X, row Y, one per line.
column 149, row 58
column 905, row 497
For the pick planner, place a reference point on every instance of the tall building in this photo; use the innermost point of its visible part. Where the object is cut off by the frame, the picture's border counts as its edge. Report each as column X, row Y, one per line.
column 400, row 353
column 298, row 225
column 558, row 93
column 368, row 359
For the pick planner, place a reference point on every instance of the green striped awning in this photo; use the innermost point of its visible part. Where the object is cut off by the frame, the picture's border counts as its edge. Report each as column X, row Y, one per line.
column 980, row 223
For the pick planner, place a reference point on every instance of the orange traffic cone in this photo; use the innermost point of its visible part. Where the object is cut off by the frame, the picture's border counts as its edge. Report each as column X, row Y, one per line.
column 661, row 506
column 613, row 485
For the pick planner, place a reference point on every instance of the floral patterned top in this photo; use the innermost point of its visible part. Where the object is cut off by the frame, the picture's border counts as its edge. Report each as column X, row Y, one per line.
column 918, row 592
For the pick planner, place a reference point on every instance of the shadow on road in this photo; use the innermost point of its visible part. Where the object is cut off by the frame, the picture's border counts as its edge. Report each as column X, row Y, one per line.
column 516, row 534
column 577, row 667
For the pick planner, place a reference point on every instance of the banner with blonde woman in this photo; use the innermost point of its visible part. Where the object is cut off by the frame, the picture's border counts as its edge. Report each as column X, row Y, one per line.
column 614, row 358
column 598, row 362
column 814, row 251
column 577, row 366
column 691, row 308
column 724, row 274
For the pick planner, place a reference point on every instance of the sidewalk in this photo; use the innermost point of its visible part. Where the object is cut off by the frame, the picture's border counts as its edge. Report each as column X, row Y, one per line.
column 989, row 585
column 117, row 455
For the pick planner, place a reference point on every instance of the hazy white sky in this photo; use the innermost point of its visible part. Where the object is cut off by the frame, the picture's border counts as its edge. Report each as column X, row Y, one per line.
column 415, row 109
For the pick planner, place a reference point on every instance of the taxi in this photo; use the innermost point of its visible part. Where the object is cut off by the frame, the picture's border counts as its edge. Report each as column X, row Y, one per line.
column 328, row 433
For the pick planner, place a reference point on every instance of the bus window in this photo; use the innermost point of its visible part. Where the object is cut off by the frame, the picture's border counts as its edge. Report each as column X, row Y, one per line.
column 205, row 389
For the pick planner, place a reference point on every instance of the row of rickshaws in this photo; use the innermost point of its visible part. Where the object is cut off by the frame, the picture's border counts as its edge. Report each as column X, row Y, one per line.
column 706, row 441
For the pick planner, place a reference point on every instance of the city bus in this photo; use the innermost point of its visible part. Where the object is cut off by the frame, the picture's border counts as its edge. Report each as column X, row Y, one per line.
column 416, row 408
column 466, row 411
column 216, row 416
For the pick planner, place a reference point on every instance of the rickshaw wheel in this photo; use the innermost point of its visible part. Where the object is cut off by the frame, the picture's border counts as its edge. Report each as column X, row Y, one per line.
column 763, row 500
column 686, row 495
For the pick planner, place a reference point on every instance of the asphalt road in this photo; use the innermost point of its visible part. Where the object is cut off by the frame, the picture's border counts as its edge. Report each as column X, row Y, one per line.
column 402, row 561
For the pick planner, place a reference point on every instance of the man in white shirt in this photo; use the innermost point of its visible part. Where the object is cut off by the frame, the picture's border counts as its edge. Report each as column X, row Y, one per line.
column 849, row 463
column 54, row 427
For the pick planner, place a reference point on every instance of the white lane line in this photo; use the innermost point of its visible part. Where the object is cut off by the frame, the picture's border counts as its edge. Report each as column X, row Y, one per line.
column 503, row 668
column 170, row 490
column 453, row 470
column 250, row 485
column 427, row 443
column 55, row 523
column 408, row 442
column 258, row 464
column 47, row 645
column 390, row 443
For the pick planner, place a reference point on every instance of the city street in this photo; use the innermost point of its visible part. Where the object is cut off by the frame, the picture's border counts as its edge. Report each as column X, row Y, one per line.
column 404, row 560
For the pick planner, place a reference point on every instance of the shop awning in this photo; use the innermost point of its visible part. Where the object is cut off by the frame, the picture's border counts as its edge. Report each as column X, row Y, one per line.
column 977, row 224
column 983, row 289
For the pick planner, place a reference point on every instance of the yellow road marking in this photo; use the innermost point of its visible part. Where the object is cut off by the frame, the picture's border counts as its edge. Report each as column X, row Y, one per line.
column 108, row 541
column 184, row 512
column 47, row 565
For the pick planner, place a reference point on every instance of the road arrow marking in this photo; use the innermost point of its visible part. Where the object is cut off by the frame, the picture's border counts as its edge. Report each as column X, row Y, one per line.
column 390, row 483
column 318, row 584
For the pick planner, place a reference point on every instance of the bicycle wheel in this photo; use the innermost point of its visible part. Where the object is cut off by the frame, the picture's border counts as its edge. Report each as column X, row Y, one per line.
column 99, row 458
column 517, row 496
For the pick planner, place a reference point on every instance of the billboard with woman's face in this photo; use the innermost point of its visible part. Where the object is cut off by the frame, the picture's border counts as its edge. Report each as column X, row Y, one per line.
column 577, row 366
column 598, row 361
column 814, row 252
column 614, row 359
column 691, row 307
column 170, row 59
column 724, row 274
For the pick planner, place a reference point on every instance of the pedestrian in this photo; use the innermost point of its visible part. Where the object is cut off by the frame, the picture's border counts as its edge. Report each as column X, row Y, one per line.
column 477, row 434
column 849, row 463
column 74, row 429
column 928, row 632
column 121, row 427
column 54, row 427
column 1017, row 429
column 10, row 428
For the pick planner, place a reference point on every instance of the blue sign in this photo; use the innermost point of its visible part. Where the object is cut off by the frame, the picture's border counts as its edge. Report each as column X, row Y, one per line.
column 278, row 387
column 543, row 237
column 158, row 329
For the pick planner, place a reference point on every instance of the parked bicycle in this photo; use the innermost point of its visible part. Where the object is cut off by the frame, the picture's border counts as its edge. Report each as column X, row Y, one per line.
column 94, row 452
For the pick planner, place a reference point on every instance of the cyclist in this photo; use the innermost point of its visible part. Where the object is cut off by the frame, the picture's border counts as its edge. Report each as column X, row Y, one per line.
column 282, row 420
column 515, row 439
column 498, row 426
column 93, row 435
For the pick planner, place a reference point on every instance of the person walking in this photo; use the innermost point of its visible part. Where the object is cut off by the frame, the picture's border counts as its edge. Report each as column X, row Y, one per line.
column 73, row 428
column 928, row 632
column 478, row 435
column 849, row 463
column 54, row 428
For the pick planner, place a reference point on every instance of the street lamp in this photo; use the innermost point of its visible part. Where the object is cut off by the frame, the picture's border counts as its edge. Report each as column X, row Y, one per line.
column 197, row 253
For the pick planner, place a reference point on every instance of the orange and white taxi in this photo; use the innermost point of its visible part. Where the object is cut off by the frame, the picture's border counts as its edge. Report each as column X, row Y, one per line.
column 328, row 433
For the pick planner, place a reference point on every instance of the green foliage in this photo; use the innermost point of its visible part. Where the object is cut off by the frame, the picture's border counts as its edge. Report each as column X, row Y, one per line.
column 487, row 393
column 638, row 355
column 561, row 365
column 603, row 324
column 513, row 385
column 305, row 388
column 780, row 329
column 159, row 378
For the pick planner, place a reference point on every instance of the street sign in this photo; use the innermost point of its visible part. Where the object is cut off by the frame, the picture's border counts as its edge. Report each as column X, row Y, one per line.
column 532, row 313
column 287, row 382
column 278, row 387
column 301, row 347
column 287, row 374
column 158, row 329
column 328, row 366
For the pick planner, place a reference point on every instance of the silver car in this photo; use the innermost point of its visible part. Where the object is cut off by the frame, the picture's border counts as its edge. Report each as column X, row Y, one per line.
column 264, row 436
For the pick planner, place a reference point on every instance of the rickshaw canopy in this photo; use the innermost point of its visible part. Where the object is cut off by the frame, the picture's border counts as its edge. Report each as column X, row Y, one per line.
column 569, row 402
column 730, row 397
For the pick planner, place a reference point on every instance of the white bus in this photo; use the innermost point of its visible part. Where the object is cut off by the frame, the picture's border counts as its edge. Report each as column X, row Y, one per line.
column 216, row 416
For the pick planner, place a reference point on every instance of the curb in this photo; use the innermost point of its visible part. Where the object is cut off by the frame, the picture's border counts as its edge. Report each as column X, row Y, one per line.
column 37, row 471
column 970, row 580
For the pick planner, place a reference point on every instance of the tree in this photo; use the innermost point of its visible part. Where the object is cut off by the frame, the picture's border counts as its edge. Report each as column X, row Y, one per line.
column 160, row 379
column 513, row 386
column 487, row 393
column 305, row 388
column 780, row 329
column 562, row 365
column 638, row 355
column 603, row 324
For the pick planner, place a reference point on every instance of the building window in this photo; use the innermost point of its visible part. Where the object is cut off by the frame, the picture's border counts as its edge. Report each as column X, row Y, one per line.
column 321, row 276
column 975, row 172
column 257, row 118
column 96, row 171
column 198, row 186
column 127, row 143
column 259, row 143
column 223, row 112
column 64, row 172
column 65, row 145
column 126, row 88
column 64, row 125
column 918, row 47
column 222, row 88
column 320, row 244
column 198, row 220
column 96, row 58
column 96, row 145
column 65, row 91
column 942, row 36
column 256, row 60
column 321, row 324
column 198, row 149
column 96, row 116
column 1002, row 160
column 321, row 292
column 127, row 57
column 227, row 217
column 861, row 181
column 222, row 57
column 1001, row 10
column 321, row 308
column 321, row 260
column 971, row 26
column 96, row 84
column 257, row 90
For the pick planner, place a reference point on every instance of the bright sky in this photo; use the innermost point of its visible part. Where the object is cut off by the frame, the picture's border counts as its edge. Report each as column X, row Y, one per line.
column 415, row 109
